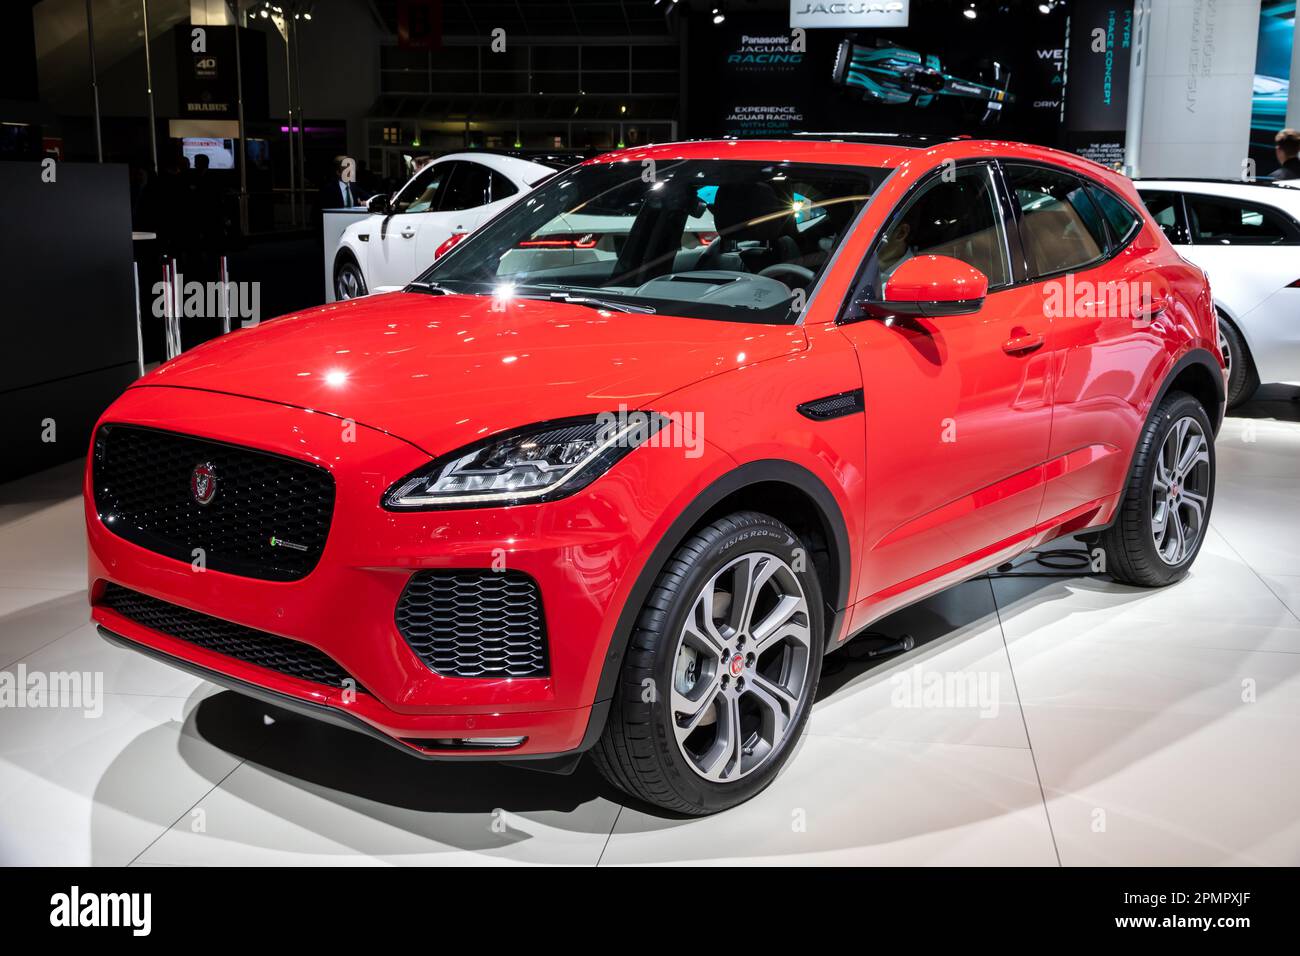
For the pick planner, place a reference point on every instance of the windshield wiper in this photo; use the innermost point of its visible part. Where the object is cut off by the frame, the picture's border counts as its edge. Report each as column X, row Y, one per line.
column 594, row 303
column 430, row 287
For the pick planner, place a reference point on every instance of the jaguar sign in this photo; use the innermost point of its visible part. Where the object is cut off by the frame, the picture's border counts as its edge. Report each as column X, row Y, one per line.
column 848, row 13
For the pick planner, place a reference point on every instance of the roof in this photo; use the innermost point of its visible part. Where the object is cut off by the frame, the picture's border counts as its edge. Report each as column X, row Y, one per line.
column 906, row 140
column 1208, row 179
column 1266, row 192
column 882, row 150
column 522, row 169
column 793, row 149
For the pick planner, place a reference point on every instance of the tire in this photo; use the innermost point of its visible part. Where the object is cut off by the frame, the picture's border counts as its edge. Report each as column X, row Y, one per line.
column 1137, row 547
column 1243, row 378
column 349, row 281
column 650, row 752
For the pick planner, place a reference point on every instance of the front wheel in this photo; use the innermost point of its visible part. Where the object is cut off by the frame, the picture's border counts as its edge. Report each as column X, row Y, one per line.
column 1165, row 515
column 349, row 283
column 720, row 671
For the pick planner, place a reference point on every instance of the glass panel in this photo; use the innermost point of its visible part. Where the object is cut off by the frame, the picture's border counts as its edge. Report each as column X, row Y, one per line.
column 957, row 218
column 1060, row 224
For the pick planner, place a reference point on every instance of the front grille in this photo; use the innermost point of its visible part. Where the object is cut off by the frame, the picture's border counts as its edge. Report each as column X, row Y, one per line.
column 267, row 518
column 475, row 623
column 280, row 654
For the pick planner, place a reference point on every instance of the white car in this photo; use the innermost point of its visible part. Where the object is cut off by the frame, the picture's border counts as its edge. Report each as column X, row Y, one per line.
column 1246, row 238
column 450, row 197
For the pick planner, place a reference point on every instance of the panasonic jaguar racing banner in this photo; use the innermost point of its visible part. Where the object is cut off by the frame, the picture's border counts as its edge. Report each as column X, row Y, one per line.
column 768, row 69
column 848, row 13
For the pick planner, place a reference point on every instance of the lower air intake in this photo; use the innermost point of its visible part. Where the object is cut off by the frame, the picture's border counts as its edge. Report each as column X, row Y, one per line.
column 477, row 623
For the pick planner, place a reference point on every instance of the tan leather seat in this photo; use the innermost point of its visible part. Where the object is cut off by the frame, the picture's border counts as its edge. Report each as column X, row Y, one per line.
column 1058, row 238
column 982, row 249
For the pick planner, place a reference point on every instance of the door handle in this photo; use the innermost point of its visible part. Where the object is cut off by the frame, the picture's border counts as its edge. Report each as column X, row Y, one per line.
column 1024, row 343
column 408, row 233
column 1156, row 308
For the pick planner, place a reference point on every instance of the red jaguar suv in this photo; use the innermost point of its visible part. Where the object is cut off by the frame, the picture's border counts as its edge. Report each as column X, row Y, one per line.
column 616, row 472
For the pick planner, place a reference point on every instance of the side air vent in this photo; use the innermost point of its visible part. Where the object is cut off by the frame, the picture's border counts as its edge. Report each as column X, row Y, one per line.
column 833, row 406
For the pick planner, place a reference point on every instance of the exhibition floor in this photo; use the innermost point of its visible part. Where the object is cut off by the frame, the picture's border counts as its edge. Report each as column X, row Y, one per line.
column 1112, row 726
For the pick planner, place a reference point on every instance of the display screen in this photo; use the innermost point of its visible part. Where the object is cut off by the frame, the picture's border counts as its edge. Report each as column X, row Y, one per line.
column 220, row 152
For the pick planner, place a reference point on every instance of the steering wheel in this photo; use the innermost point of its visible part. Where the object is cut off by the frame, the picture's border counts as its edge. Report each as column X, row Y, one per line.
column 787, row 268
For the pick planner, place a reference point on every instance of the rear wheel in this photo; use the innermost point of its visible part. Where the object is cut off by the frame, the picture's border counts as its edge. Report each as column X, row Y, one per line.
column 1163, row 519
column 349, row 283
column 720, row 671
column 1243, row 379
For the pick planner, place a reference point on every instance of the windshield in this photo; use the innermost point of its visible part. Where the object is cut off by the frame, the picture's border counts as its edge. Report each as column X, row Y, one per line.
column 700, row 238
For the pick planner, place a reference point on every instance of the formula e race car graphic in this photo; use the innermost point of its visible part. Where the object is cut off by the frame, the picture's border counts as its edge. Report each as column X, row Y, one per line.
column 891, row 74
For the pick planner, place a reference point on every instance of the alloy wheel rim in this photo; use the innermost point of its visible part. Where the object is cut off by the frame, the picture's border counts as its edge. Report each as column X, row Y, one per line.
column 1180, row 493
column 349, row 285
column 741, row 667
column 1225, row 349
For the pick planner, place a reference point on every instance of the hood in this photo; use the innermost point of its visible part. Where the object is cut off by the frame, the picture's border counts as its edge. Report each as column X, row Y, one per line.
column 441, row 371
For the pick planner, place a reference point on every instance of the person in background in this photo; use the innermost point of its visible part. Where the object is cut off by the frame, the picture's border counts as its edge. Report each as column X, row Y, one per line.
column 1288, row 154
column 336, row 192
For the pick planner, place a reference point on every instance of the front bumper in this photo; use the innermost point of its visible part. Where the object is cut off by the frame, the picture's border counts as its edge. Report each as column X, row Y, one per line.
column 584, row 552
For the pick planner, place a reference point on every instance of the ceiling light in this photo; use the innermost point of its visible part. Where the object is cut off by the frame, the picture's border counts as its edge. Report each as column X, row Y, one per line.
column 970, row 13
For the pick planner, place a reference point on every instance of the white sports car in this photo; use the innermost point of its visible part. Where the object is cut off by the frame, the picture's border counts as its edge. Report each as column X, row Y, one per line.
column 1246, row 238
column 442, row 203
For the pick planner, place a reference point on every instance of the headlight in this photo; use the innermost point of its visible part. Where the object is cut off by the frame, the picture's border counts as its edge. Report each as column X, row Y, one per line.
column 534, row 464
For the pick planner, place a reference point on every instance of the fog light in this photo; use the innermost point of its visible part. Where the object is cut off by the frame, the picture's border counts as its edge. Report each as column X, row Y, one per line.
column 493, row 741
column 466, row 743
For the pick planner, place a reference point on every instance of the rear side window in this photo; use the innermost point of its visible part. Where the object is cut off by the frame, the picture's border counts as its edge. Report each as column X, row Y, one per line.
column 469, row 187
column 1164, row 210
column 501, row 187
column 1061, row 226
column 1123, row 221
column 1229, row 222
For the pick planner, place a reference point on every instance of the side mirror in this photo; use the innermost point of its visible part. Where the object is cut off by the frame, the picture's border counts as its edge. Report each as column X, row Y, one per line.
column 933, row 286
column 379, row 205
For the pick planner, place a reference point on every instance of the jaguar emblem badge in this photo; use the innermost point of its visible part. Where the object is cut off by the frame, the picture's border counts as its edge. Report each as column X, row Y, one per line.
column 203, row 482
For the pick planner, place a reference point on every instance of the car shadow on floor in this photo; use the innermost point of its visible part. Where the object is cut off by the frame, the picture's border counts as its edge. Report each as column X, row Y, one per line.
column 338, row 759
column 453, row 803
column 370, row 777
column 1276, row 402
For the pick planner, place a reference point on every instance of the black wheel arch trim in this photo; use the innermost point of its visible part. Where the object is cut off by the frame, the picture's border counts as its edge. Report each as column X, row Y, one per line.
column 751, row 473
column 1196, row 356
column 1206, row 359
column 341, row 258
